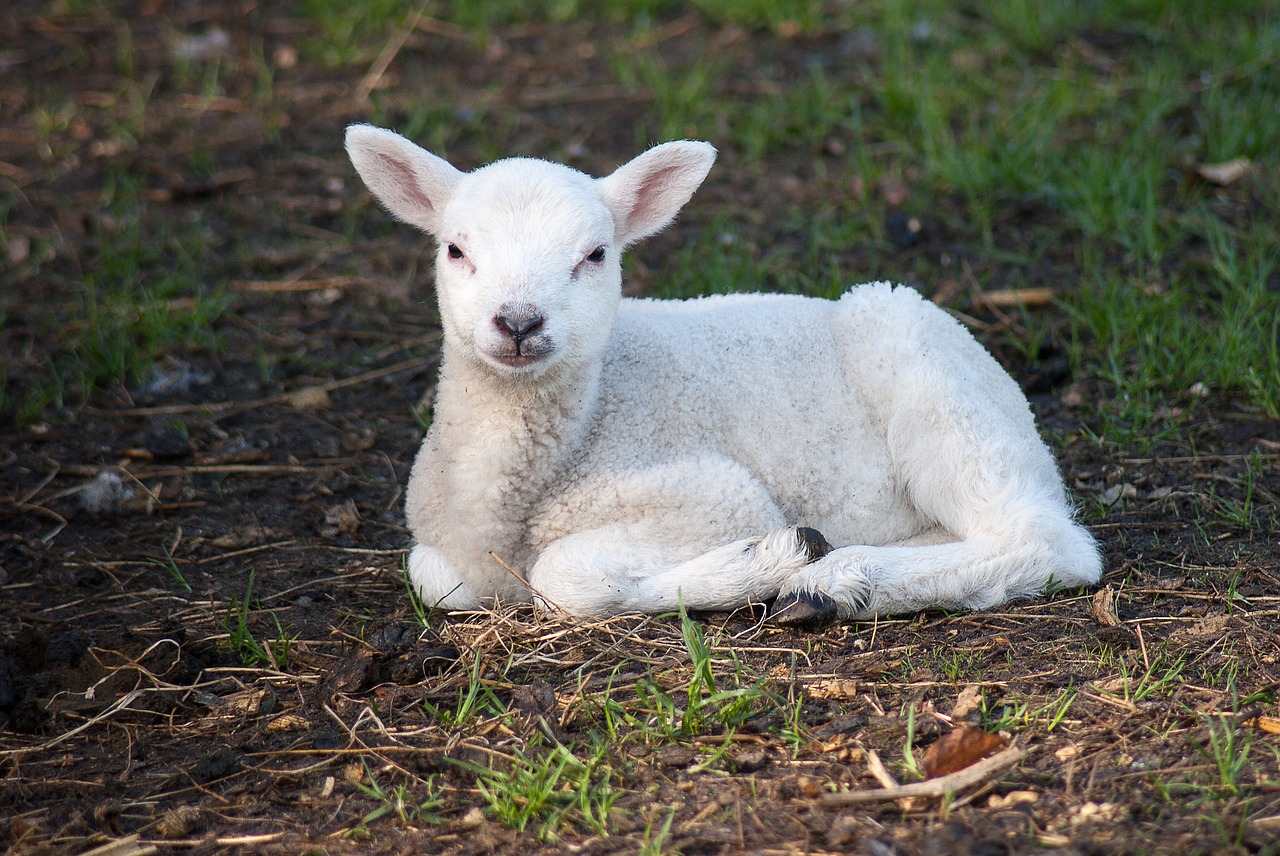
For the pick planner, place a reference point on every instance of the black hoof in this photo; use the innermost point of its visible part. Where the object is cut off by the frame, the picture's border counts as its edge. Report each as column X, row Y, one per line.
column 803, row 609
column 814, row 544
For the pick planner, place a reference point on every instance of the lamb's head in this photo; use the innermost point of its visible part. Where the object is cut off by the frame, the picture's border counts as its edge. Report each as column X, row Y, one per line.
column 528, row 269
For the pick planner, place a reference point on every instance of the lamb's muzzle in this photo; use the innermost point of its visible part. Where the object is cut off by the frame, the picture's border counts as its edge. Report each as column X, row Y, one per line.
column 659, row 454
column 522, row 343
column 518, row 324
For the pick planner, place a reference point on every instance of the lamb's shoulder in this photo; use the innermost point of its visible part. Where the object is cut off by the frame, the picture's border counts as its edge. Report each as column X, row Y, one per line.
column 721, row 342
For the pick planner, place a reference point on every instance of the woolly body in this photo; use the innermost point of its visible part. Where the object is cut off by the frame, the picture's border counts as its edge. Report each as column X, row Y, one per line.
column 625, row 454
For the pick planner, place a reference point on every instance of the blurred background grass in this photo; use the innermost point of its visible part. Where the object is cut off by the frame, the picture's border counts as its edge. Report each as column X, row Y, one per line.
column 1121, row 155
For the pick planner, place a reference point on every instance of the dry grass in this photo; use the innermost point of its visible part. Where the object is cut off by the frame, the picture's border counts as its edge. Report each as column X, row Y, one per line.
column 205, row 642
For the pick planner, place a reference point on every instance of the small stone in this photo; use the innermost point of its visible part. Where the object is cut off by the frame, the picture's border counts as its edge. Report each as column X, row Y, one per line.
column 285, row 57
column 1012, row 799
column 675, row 756
column 309, row 398
column 19, row 249
column 473, row 819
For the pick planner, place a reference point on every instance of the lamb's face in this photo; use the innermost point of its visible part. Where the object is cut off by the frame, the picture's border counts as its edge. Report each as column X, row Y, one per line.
column 528, row 271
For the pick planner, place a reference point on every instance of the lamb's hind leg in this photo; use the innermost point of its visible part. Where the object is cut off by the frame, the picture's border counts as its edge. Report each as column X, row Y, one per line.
column 965, row 450
column 978, row 572
column 1013, row 535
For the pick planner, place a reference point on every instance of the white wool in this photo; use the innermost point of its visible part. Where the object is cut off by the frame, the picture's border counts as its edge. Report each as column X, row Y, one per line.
column 619, row 454
column 105, row 493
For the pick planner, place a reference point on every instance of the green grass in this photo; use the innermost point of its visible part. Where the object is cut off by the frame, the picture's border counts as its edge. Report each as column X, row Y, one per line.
column 142, row 294
column 475, row 700
column 1172, row 289
column 546, row 789
column 399, row 802
column 243, row 644
column 551, row 788
column 1094, row 113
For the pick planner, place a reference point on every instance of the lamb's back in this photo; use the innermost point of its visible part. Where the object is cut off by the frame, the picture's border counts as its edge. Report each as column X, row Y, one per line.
column 761, row 379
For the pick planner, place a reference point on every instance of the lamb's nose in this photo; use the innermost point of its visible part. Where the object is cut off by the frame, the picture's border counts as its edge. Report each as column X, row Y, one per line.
column 518, row 325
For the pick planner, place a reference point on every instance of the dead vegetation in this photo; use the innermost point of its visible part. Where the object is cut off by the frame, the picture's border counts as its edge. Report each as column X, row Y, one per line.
column 205, row 642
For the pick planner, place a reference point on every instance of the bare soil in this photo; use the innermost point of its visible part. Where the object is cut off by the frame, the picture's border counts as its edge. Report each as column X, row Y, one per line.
column 261, row 482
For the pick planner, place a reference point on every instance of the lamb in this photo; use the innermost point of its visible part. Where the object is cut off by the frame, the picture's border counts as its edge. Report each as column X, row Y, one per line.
column 600, row 454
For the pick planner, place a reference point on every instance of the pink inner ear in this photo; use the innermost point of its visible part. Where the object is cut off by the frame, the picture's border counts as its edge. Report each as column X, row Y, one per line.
column 649, row 196
column 407, row 181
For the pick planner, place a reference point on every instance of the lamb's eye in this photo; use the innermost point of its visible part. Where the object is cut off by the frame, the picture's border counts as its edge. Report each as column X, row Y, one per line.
column 596, row 256
column 455, row 252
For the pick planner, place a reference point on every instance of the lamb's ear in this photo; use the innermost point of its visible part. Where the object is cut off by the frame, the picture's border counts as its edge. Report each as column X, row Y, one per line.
column 646, row 193
column 411, row 182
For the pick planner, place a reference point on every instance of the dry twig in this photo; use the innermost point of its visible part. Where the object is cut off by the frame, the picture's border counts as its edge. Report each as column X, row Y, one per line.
column 934, row 788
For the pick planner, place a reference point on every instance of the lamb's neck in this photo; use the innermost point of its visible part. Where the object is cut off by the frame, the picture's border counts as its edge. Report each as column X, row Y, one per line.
column 552, row 413
column 509, row 442
column 501, row 449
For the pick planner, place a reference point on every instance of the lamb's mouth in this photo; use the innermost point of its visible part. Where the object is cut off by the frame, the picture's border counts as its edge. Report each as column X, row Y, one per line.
column 519, row 361
column 523, row 355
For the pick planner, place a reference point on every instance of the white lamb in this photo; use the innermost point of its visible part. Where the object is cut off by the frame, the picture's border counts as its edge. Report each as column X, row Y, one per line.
column 603, row 454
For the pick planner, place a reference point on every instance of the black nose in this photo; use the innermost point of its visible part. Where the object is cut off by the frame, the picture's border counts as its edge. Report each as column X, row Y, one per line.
column 518, row 325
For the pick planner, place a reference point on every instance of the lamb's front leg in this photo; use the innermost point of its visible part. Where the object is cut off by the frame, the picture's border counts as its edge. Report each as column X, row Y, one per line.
column 437, row 582
column 610, row 570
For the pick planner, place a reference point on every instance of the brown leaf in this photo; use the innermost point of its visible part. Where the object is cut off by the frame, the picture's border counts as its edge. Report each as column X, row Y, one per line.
column 1208, row 628
column 1268, row 724
column 967, row 702
column 341, row 519
column 1104, row 608
column 246, row 536
column 959, row 748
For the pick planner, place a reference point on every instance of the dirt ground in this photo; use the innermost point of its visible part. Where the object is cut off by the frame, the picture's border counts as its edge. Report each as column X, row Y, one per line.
column 255, row 488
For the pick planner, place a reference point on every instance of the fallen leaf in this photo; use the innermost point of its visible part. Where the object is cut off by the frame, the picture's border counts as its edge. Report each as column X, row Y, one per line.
column 959, row 748
column 1227, row 172
column 288, row 722
column 178, row 822
column 1269, row 724
column 1111, row 686
column 247, row 536
column 833, row 688
column 1213, row 626
column 341, row 519
column 810, row 786
column 967, row 702
column 1104, row 608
